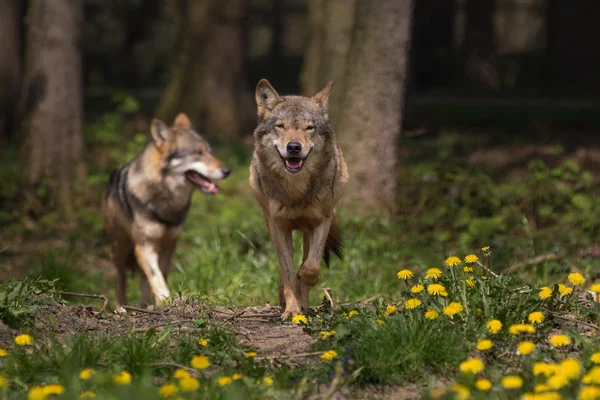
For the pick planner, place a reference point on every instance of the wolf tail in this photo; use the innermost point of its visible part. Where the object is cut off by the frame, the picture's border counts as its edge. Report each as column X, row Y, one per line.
column 334, row 242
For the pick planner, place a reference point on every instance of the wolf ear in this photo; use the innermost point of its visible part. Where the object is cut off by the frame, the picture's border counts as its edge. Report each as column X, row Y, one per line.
column 266, row 98
column 160, row 132
column 183, row 121
column 322, row 98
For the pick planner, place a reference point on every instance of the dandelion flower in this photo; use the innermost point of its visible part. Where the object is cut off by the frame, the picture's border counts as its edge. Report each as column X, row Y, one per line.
column 237, row 377
column 351, row 314
column 512, row 382
column 589, row 393
column 168, row 390
column 3, row 353
column 483, row 384
column 470, row 282
column 2, row 381
column 436, row 289
column 485, row 248
column 37, row 393
column 54, row 389
column 467, row 268
column 545, row 293
column 200, row 362
column 571, row 368
column 23, row 340
column 595, row 358
column 525, row 348
column 251, row 354
column 390, row 309
column 471, row 258
column 564, row 290
column 431, row 314
column 433, row 273
column 593, row 376
column 452, row 261
column 86, row 374
column 411, row 304
column 462, row 392
column 87, row 395
column 122, row 378
column 203, row 342
column 471, row 366
column 380, row 322
column 189, row 384
column 329, row 355
column 558, row 381
column 536, row 317
column 545, row 369
column 267, row 380
column 299, row 320
column 559, row 340
column 326, row 334
column 517, row 329
column 541, row 387
column 484, row 345
column 453, row 309
column 181, row 373
column 417, row 289
column 576, row 279
column 405, row 274
column 224, row 381
column 595, row 288
column 494, row 326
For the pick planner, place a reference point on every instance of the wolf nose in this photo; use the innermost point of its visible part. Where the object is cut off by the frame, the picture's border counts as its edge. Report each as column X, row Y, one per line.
column 225, row 171
column 294, row 148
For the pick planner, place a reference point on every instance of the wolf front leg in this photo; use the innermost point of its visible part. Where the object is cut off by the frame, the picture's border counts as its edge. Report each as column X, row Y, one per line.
column 310, row 270
column 284, row 246
column 147, row 257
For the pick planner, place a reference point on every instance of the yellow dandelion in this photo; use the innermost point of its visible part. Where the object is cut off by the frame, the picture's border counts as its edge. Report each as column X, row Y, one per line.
column 471, row 366
column 494, row 326
column 559, row 340
column 390, row 309
column 517, row 329
column 237, row 377
column 571, row 368
column 181, row 373
column 589, row 393
column 2, row 381
column 436, row 289
column 168, row 390
column 54, row 389
column 417, row 289
column 576, row 279
column 251, row 354
column 332, row 333
column 122, row 378
column 351, row 314
column 484, row 345
column 462, row 392
column 470, row 282
column 37, row 393
column 541, row 387
column 380, row 322
column 411, row 304
column 595, row 288
column 200, row 362
column 536, row 317
column 87, row 395
column 468, row 268
column 483, row 384
column 595, row 358
column 471, row 258
column 511, row 382
column 558, row 381
column 203, row 342
column 405, row 274
column 525, row 348
column 453, row 309
column 299, row 320
column 3, row 352
column 545, row 293
column 545, row 369
column 593, row 376
column 452, row 261
column 324, row 334
column 24, row 340
column 268, row 381
column 329, row 355
column 86, row 374
column 485, row 248
column 564, row 290
column 189, row 384
column 431, row 314
column 433, row 273
column 224, row 381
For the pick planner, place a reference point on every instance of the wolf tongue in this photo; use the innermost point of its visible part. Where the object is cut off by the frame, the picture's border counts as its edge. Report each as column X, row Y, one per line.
column 294, row 163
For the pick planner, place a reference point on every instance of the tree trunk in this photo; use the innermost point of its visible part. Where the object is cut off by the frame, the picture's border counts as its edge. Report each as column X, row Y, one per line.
column 371, row 115
column 10, row 65
column 207, row 81
column 52, row 94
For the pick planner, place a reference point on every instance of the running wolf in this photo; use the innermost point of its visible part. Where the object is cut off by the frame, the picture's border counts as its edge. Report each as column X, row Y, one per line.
column 297, row 174
column 147, row 202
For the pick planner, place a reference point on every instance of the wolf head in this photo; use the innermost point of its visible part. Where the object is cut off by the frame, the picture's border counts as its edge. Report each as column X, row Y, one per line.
column 293, row 132
column 186, row 156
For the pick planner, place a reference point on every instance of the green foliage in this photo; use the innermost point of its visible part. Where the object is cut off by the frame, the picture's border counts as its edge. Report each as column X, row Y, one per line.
column 20, row 299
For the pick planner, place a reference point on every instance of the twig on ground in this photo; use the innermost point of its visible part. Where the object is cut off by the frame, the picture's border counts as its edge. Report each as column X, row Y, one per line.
column 328, row 295
column 492, row 273
column 534, row 261
column 576, row 321
column 168, row 364
column 93, row 296
column 169, row 324
column 142, row 310
column 290, row 356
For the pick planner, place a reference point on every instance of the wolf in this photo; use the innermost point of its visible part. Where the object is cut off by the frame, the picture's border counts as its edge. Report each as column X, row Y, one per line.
column 147, row 202
column 297, row 174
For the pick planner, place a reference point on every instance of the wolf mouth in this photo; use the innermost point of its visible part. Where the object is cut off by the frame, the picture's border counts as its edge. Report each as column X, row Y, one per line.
column 201, row 182
column 293, row 165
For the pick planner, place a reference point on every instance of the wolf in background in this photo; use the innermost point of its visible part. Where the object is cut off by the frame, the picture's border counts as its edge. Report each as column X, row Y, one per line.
column 297, row 174
column 147, row 202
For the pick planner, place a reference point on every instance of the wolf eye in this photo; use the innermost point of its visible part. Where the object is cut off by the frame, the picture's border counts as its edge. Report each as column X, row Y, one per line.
column 279, row 125
column 310, row 128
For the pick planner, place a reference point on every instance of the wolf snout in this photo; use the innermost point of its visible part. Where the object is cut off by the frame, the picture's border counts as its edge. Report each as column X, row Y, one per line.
column 294, row 148
column 225, row 171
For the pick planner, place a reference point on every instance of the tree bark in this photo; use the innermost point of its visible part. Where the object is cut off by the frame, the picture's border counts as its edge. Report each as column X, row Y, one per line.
column 371, row 118
column 52, row 94
column 207, row 81
column 10, row 65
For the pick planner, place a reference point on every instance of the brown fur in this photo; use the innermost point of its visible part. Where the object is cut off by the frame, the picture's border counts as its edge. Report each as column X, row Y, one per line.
column 303, row 200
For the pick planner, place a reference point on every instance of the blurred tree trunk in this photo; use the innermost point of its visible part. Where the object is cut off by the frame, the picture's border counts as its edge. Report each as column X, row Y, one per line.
column 10, row 65
column 52, row 95
column 207, row 80
column 371, row 114
column 331, row 26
